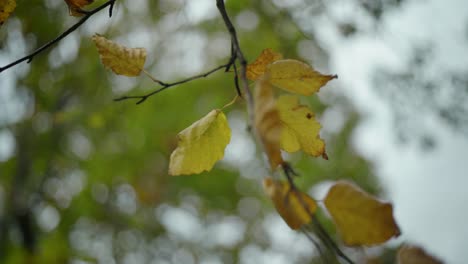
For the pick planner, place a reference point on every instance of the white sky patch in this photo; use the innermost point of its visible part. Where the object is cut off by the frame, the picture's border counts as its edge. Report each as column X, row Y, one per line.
column 241, row 149
column 200, row 10
column 227, row 233
column 181, row 223
column 247, row 20
column 7, row 145
column 293, row 244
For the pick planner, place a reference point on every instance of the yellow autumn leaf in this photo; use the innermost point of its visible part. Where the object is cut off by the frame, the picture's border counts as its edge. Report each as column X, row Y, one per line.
column 6, row 8
column 201, row 145
column 415, row 255
column 360, row 218
column 121, row 60
column 267, row 121
column 258, row 67
column 74, row 6
column 295, row 207
column 300, row 128
column 297, row 77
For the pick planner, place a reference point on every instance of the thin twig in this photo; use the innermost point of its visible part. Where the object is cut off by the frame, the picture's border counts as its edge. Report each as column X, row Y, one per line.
column 320, row 231
column 233, row 101
column 142, row 98
column 237, row 51
column 67, row 32
column 316, row 244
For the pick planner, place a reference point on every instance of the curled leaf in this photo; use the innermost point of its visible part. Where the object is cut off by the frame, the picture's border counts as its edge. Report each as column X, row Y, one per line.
column 267, row 121
column 201, row 145
column 74, row 6
column 297, row 77
column 360, row 218
column 300, row 128
column 295, row 207
column 6, row 8
column 258, row 67
column 121, row 60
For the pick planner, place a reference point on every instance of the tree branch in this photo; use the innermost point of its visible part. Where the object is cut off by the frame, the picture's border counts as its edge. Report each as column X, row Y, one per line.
column 67, row 32
column 142, row 98
column 239, row 55
column 318, row 228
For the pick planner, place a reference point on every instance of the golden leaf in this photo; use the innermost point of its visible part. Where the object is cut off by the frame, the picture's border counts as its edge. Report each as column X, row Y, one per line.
column 201, row 145
column 267, row 121
column 74, row 6
column 258, row 67
column 295, row 207
column 121, row 60
column 296, row 77
column 300, row 128
column 360, row 218
column 6, row 8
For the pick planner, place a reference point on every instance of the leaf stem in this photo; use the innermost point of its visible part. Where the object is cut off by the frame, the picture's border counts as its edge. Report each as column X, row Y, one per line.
column 142, row 98
column 231, row 103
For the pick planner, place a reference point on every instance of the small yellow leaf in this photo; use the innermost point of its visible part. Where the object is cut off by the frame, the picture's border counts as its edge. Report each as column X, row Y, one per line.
column 74, row 6
column 6, row 8
column 297, row 77
column 201, row 145
column 295, row 207
column 300, row 128
column 121, row 60
column 267, row 121
column 360, row 218
column 258, row 67
column 415, row 255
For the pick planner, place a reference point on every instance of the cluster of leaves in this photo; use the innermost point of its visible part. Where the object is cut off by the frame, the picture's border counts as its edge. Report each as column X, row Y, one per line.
column 281, row 123
column 285, row 124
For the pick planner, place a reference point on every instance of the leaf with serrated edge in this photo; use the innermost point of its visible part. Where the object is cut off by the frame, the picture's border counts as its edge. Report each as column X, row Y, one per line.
column 6, row 8
column 258, row 67
column 267, row 121
column 300, row 128
column 201, row 145
column 121, row 60
column 360, row 218
column 295, row 207
column 296, row 77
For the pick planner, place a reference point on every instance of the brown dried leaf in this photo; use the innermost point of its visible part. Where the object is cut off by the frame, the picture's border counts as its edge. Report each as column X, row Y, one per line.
column 295, row 207
column 258, row 67
column 267, row 121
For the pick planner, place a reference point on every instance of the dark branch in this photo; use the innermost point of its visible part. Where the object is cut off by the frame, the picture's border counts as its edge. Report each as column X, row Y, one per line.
column 87, row 15
column 318, row 228
column 237, row 54
column 142, row 98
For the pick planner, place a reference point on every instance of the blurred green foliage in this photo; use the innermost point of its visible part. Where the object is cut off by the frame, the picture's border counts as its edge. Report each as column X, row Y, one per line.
column 88, row 174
